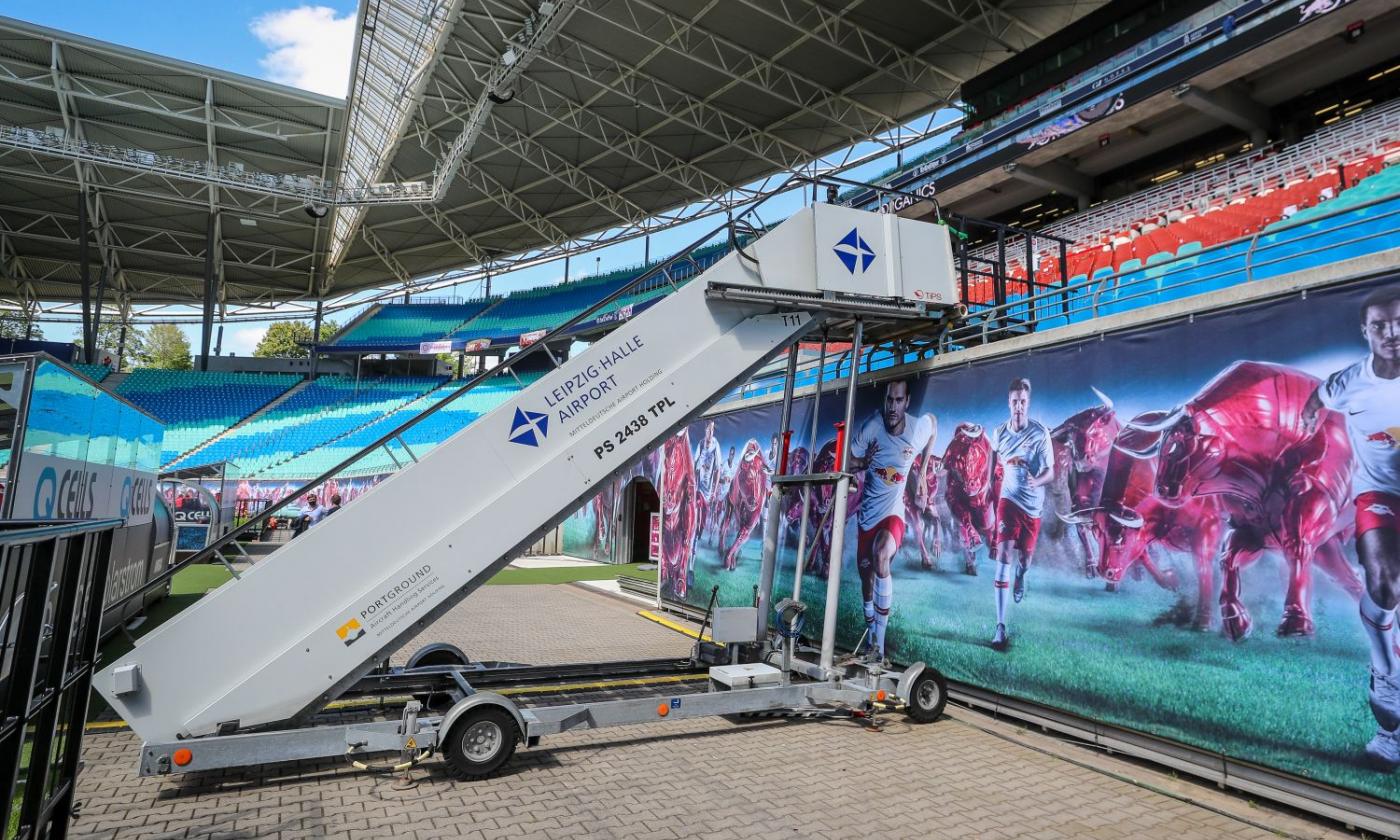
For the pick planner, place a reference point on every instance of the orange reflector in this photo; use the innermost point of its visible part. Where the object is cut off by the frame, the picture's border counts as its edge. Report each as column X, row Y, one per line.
column 663, row 710
column 880, row 696
column 182, row 756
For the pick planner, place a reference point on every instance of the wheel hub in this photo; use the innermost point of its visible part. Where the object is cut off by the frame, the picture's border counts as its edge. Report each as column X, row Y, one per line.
column 482, row 740
column 927, row 695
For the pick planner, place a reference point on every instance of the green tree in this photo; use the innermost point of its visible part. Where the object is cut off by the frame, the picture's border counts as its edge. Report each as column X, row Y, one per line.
column 15, row 323
column 285, row 339
column 166, row 347
column 109, row 339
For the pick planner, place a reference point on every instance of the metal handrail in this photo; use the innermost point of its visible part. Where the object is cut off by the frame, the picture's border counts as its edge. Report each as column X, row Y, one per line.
column 38, row 530
column 989, row 317
column 211, row 551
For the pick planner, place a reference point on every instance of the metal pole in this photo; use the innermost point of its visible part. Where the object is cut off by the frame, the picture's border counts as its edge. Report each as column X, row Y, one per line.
column 85, row 278
column 121, row 345
column 97, row 311
column 807, row 490
column 207, row 321
column 315, row 338
column 812, row 460
column 770, row 528
column 838, row 514
column 219, row 342
column 646, row 258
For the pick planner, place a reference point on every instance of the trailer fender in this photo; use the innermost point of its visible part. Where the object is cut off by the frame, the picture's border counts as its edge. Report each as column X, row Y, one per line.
column 481, row 698
column 906, row 680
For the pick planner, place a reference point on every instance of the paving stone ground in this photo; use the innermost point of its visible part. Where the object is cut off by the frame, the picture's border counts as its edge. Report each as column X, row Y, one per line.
column 964, row 776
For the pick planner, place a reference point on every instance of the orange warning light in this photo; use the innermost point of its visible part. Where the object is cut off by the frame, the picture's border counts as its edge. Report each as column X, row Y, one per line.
column 880, row 696
column 182, row 756
column 663, row 710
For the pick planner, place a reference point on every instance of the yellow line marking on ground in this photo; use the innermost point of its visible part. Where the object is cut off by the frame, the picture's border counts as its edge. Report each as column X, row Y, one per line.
column 583, row 686
column 671, row 625
column 340, row 705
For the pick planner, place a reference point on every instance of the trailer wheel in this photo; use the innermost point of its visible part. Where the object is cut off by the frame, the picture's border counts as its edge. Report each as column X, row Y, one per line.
column 481, row 742
column 927, row 697
column 438, row 653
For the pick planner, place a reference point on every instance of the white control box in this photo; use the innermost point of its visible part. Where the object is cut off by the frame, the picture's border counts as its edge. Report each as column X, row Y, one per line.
column 735, row 624
column 750, row 675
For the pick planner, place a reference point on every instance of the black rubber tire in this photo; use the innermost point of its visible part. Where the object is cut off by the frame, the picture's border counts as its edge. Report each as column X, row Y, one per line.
column 927, row 697
column 438, row 653
column 464, row 745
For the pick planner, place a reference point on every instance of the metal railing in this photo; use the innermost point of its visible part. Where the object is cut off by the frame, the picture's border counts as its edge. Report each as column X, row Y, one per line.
column 1262, row 254
column 1254, row 257
column 307, row 188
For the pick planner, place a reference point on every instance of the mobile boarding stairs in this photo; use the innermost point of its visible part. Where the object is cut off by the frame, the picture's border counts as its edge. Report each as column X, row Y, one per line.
column 235, row 679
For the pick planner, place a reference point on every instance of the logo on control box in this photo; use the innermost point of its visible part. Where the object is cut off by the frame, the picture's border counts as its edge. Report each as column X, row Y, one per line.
column 854, row 252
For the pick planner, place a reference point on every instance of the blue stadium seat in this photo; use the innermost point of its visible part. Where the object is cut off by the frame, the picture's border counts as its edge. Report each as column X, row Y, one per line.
column 197, row 405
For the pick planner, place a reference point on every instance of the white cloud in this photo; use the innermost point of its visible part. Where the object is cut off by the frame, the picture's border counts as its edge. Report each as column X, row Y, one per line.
column 241, row 341
column 308, row 47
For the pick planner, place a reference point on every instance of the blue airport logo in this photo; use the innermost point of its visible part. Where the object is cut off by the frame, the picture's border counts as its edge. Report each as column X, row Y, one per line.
column 854, row 251
column 529, row 427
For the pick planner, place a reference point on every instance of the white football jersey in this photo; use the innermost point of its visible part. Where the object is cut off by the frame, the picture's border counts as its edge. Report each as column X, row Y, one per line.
column 887, row 472
column 1032, row 444
column 1372, row 409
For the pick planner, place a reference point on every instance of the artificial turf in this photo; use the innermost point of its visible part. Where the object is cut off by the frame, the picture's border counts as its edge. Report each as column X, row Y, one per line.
column 569, row 574
column 1125, row 658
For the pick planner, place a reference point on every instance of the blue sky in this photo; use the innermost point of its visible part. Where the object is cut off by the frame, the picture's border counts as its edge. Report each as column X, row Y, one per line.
column 218, row 34
column 305, row 45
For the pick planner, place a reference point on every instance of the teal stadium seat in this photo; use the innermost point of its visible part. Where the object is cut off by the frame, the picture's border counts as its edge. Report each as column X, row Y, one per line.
column 197, row 405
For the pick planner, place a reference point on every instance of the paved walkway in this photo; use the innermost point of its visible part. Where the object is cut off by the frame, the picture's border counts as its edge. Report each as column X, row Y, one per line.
column 964, row 776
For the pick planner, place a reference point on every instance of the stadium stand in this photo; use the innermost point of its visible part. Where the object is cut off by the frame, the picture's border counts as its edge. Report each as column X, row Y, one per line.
column 95, row 372
column 407, row 324
column 531, row 310
column 420, row 439
column 504, row 320
column 310, row 417
column 1235, row 198
column 198, row 405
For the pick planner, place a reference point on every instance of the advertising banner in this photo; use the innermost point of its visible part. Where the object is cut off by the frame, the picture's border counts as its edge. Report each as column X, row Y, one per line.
column 1157, row 529
column 432, row 348
column 84, row 454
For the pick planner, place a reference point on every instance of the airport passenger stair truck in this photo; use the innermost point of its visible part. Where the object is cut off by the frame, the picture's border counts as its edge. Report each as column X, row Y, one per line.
column 235, row 679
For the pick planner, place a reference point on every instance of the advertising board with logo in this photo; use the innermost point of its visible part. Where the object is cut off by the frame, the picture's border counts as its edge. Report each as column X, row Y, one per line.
column 1160, row 529
column 84, row 453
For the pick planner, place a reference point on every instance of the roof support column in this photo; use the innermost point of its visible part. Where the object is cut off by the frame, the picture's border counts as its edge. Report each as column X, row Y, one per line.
column 206, row 328
column 85, row 278
column 316, row 338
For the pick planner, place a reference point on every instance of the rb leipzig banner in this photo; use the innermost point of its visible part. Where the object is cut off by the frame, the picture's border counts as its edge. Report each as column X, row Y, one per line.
column 1189, row 530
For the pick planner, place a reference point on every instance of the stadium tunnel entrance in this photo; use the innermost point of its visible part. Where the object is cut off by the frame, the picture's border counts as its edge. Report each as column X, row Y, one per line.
column 639, row 501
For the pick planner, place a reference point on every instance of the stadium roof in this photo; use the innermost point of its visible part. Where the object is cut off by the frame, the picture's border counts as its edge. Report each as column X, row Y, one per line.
column 155, row 144
column 477, row 131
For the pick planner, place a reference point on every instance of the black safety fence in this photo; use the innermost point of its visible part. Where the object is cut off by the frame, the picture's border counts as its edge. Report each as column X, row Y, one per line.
column 52, row 579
